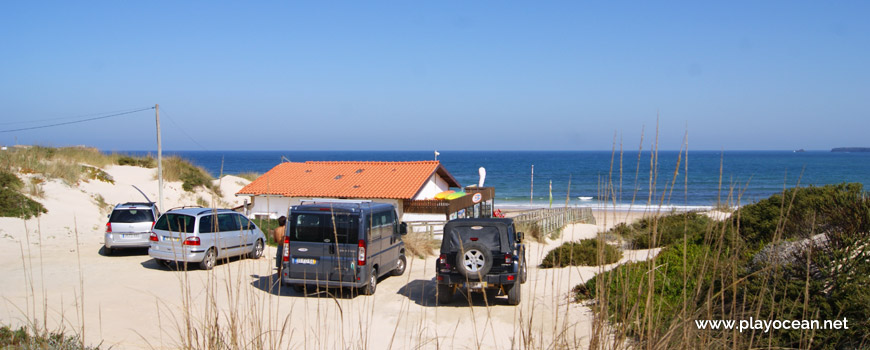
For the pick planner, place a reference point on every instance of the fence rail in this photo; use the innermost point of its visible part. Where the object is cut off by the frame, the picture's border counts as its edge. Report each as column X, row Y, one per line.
column 551, row 220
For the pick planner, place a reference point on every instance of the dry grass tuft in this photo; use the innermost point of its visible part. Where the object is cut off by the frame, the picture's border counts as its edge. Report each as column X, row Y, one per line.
column 420, row 244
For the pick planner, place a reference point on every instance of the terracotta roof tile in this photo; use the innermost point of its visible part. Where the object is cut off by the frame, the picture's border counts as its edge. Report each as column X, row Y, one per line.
column 396, row 180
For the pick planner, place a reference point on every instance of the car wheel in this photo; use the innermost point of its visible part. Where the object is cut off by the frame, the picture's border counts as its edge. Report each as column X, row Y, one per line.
column 299, row 288
column 524, row 271
column 107, row 250
column 373, row 283
column 445, row 294
column 209, row 260
column 474, row 260
column 257, row 252
column 400, row 266
column 514, row 294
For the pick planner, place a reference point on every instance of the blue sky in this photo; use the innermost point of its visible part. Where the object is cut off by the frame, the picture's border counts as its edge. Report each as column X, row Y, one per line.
column 437, row 75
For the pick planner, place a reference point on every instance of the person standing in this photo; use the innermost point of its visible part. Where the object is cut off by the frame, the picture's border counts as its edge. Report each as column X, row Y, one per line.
column 278, row 235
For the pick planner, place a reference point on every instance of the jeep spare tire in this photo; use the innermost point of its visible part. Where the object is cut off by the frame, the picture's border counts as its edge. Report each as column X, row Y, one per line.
column 474, row 260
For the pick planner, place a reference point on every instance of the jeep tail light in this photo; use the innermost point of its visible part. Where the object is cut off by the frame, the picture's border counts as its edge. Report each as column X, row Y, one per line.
column 108, row 227
column 286, row 256
column 508, row 258
column 153, row 237
column 510, row 277
column 191, row 241
column 442, row 259
column 361, row 258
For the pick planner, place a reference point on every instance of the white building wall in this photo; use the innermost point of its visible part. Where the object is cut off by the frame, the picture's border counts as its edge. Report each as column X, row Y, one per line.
column 433, row 186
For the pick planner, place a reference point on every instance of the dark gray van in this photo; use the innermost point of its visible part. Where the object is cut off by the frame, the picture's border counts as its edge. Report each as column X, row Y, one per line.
column 341, row 243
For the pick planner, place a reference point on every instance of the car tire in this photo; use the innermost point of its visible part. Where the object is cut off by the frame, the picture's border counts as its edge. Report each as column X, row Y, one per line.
column 372, row 285
column 299, row 288
column 209, row 260
column 400, row 266
column 257, row 251
column 445, row 294
column 474, row 260
column 524, row 270
column 514, row 294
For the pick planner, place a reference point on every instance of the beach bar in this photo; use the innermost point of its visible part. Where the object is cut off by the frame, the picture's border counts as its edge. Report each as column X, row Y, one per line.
column 415, row 188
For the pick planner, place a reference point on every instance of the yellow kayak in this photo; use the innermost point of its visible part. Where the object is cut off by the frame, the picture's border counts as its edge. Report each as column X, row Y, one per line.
column 444, row 194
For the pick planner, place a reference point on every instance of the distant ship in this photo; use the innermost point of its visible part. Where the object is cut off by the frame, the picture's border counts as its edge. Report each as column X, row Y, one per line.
column 585, row 198
column 800, row 150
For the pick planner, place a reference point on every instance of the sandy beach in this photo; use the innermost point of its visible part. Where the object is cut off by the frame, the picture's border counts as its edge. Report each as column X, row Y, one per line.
column 54, row 274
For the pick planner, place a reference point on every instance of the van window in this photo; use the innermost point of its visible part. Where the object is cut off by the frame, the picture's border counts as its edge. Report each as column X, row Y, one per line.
column 311, row 227
column 228, row 222
column 246, row 224
column 175, row 223
column 207, row 224
column 131, row 215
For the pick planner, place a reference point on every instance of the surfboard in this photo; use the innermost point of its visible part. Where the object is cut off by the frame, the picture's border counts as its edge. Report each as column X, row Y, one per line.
column 455, row 195
column 442, row 195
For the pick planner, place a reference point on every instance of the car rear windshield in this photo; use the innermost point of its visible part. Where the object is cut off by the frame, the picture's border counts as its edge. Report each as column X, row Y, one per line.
column 175, row 223
column 318, row 227
column 488, row 235
column 131, row 215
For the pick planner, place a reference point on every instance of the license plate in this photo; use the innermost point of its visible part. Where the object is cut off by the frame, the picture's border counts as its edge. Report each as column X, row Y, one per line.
column 171, row 239
column 476, row 285
column 130, row 236
column 305, row 261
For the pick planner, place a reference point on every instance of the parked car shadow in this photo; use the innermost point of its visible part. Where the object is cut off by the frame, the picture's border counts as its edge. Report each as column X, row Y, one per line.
column 272, row 284
column 123, row 251
column 423, row 293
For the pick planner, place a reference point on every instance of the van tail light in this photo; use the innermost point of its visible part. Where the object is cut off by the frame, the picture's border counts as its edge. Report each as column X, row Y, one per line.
column 108, row 227
column 286, row 256
column 153, row 237
column 191, row 241
column 508, row 258
column 361, row 258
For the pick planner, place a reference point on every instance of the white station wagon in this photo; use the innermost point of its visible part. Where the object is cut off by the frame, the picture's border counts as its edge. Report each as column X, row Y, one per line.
column 204, row 235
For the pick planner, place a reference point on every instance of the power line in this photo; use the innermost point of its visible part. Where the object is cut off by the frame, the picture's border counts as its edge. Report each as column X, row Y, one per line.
column 77, row 121
column 172, row 120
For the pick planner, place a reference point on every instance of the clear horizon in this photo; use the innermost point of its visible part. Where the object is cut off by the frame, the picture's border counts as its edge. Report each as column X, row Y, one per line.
column 777, row 75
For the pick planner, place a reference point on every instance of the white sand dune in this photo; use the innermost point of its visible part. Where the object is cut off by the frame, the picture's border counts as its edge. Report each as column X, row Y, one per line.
column 129, row 301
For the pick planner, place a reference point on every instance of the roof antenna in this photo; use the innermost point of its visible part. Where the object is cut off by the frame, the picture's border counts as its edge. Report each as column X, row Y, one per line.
column 437, row 154
column 284, row 159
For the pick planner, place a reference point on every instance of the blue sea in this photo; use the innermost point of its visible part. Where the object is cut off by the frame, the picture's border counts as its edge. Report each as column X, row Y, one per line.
column 751, row 175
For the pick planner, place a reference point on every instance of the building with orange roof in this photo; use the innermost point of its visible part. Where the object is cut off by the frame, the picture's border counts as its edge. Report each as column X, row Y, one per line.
column 409, row 186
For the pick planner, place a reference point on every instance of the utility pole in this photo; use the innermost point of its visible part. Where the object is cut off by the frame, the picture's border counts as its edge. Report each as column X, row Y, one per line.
column 159, row 161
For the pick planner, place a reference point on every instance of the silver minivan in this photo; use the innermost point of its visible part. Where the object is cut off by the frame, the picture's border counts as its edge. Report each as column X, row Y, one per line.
column 129, row 226
column 204, row 235
column 342, row 243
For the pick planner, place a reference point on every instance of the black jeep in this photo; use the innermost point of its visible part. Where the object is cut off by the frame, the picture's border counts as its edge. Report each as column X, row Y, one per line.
column 481, row 254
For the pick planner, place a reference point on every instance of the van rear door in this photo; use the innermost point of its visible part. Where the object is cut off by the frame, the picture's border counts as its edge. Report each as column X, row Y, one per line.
column 323, row 246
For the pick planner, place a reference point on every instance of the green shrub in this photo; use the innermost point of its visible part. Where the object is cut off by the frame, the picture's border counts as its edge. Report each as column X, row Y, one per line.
column 799, row 211
column 626, row 287
column 584, row 252
column 145, row 162
column 13, row 203
column 177, row 169
column 669, row 229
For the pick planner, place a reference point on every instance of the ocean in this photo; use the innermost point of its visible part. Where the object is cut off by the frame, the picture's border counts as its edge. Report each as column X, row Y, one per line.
column 751, row 175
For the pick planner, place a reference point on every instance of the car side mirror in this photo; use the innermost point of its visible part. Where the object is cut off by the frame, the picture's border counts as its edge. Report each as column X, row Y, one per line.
column 520, row 236
column 403, row 229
